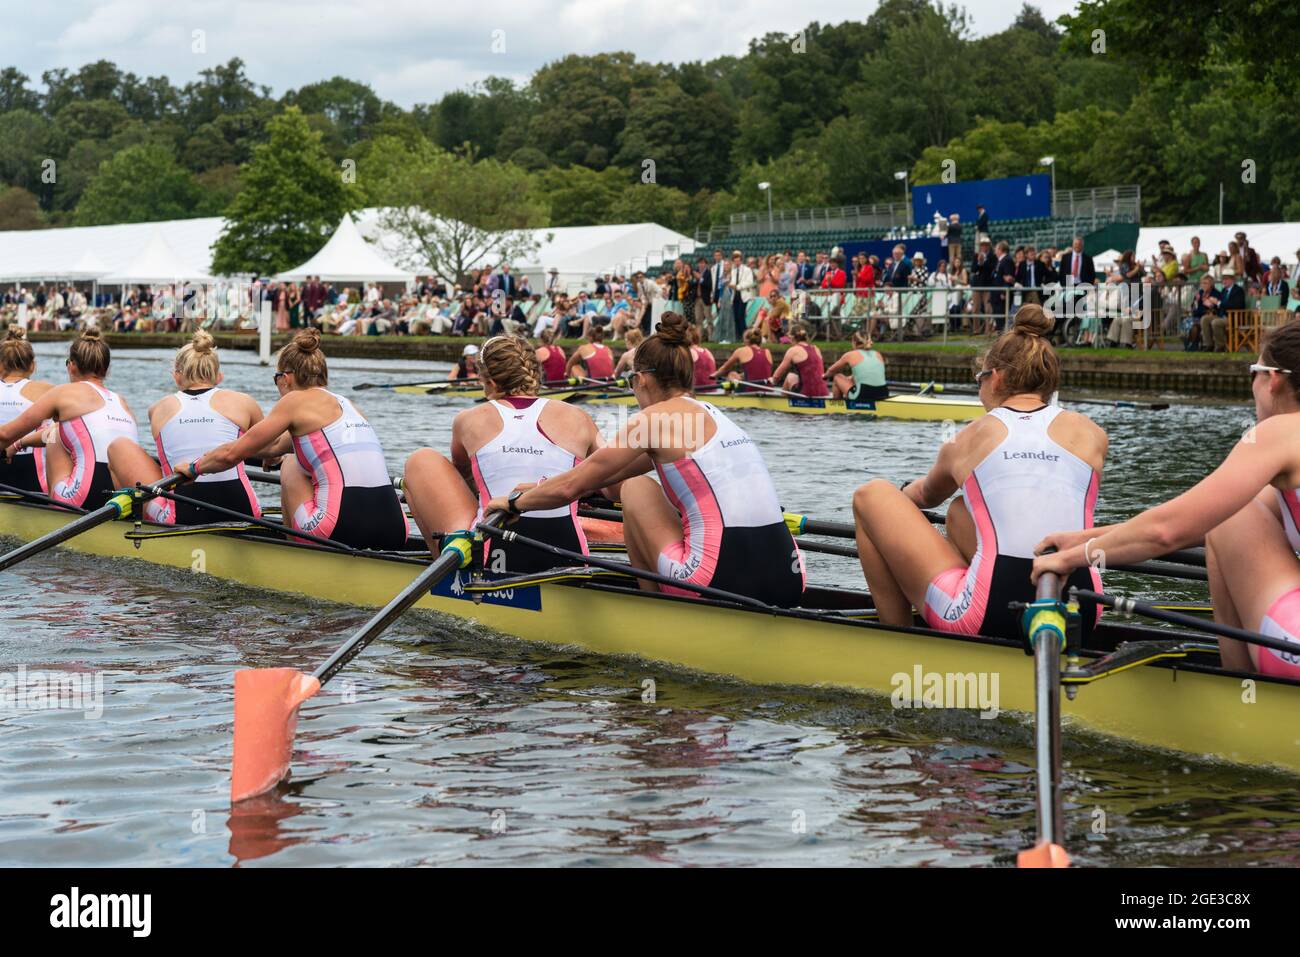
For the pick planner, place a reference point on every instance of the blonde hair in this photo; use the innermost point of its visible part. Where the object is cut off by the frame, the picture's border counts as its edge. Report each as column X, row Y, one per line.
column 302, row 356
column 860, row 340
column 16, row 353
column 1024, row 355
column 89, row 353
column 511, row 363
column 753, row 336
column 632, row 338
column 197, row 361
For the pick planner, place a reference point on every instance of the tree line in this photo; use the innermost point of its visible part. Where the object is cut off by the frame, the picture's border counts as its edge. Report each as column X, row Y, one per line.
column 1123, row 91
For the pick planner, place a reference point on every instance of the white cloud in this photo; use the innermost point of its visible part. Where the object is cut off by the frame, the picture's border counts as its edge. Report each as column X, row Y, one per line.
column 409, row 51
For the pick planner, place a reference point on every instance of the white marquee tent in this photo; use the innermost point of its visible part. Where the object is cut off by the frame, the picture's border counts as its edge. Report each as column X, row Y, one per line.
column 59, row 253
column 347, row 257
column 1268, row 239
column 156, row 264
column 579, row 253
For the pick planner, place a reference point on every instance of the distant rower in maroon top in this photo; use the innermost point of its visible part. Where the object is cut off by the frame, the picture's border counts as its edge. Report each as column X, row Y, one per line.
column 801, row 369
column 593, row 355
column 751, row 362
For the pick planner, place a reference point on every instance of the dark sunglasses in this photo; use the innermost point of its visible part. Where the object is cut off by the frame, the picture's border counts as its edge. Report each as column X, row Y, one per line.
column 278, row 376
column 981, row 376
column 631, row 376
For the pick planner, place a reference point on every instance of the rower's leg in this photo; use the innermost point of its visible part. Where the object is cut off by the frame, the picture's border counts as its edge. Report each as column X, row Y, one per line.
column 842, row 385
column 791, row 382
column 130, row 464
column 650, row 524
column 961, row 528
column 58, row 464
column 295, row 488
column 889, row 524
column 439, row 498
column 1253, row 566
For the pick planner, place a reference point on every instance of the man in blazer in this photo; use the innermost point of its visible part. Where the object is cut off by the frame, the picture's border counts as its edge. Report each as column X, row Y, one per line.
column 1214, row 324
column 1076, row 269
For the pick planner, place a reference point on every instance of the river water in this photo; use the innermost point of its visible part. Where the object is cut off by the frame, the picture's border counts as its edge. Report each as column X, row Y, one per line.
column 466, row 748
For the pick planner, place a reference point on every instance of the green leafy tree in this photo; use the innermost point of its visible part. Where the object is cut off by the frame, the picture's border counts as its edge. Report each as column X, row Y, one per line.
column 919, row 84
column 582, row 105
column 1196, row 39
column 19, row 209
column 14, row 94
column 449, row 213
column 140, row 184
column 350, row 106
column 25, row 138
column 578, row 196
column 650, row 203
column 292, row 199
column 688, row 138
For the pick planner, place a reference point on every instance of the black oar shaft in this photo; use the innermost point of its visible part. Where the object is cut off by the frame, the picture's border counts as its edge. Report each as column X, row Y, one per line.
column 1131, row 606
column 260, row 522
column 120, row 504
column 626, row 569
column 444, row 565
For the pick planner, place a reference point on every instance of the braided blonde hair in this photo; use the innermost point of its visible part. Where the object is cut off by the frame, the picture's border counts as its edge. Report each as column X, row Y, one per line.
column 511, row 363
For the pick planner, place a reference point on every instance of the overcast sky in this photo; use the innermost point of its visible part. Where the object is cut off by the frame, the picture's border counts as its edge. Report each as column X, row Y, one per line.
column 409, row 51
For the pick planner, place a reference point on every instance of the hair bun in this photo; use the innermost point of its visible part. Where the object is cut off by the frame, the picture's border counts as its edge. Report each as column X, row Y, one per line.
column 673, row 329
column 91, row 333
column 16, row 332
column 1033, row 320
column 307, row 340
column 202, row 341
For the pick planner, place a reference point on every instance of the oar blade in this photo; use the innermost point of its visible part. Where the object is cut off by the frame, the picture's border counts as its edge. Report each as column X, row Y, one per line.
column 266, row 717
column 1043, row 854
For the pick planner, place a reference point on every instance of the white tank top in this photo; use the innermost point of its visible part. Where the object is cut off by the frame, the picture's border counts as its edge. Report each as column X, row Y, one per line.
column 13, row 404
column 520, row 453
column 1030, row 486
column 195, row 430
column 725, row 480
column 89, row 436
column 346, row 452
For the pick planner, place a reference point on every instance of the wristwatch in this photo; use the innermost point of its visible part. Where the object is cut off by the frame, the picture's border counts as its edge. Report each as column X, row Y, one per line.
column 512, row 502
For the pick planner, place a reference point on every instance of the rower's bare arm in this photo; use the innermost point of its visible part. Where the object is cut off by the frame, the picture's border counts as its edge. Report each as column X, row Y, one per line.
column 1252, row 465
column 726, row 366
column 938, row 484
column 786, row 361
column 31, row 418
column 839, row 364
column 261, row 438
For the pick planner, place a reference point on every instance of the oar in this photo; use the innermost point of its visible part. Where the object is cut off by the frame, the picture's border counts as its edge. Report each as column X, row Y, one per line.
column 119, row 506
column 260, row 522
column 1163, row 565
column 1046, row 633
column 731, row 386
column 38, row 497
column 626, row 569
column 1131, row 606
column 961, row 390
column 267, row 699
column 423, row 384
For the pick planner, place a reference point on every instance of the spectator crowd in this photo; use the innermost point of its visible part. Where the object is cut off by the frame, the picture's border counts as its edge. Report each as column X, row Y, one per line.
column 1186, row 295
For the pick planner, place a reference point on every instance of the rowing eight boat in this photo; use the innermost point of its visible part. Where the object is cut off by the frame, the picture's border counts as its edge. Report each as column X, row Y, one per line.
column 1186, row 704
column 917, row 408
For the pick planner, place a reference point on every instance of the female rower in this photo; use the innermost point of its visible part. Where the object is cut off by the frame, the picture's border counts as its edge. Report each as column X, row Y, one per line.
column 865, row 378
column 467, row 367
column 801, row 369
column 1248, row 510
column 335, row 484
column 20, row 467
column 752, row 362
column 705, row 365
column 195, row 419
column 633, row 339
column 716, row 519
column 1025, row 467
column 513, row 438
column 551, row 358
column 593, row 356
column 94, row 449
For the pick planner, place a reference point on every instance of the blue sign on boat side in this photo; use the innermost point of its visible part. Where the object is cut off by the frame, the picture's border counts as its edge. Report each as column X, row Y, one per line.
column 527, row 598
